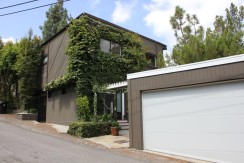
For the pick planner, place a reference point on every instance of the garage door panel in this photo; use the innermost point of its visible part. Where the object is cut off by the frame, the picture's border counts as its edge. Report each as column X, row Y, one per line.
column 198, row 124
column 177, row 142
column 203, row 122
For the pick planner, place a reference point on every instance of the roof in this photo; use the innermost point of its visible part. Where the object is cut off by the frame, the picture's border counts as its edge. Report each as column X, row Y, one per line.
column 191, row 66
column 122, row 84
column 105, row 22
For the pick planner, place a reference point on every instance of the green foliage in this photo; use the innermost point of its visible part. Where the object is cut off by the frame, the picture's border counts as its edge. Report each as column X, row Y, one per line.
column 1, row 43
column 102, row 118
column 194, row 44
column 83, row 112
column 115, row 124
column 28, row 67
column 89, row 129
column 8, row 75
column 90, row 66
column 62, row 82
column 57, row 18
column 33, row 110
column 160, row 61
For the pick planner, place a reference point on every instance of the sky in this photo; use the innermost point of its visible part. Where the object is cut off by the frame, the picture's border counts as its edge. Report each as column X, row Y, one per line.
column 146, row 17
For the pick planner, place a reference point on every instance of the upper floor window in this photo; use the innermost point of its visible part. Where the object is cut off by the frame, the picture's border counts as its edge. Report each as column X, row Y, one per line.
column 152, row 59
column 110, row 47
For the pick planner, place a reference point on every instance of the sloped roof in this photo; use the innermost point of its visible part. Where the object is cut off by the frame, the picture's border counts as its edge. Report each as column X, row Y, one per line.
column 105, row 22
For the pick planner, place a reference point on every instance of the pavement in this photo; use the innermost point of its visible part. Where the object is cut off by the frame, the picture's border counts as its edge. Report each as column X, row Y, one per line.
column 108, row 141
column 19, row 145
column 114, row 144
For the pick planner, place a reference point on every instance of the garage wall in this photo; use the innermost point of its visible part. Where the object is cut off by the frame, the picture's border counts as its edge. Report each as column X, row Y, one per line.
column 61, row 108
column 233, row 71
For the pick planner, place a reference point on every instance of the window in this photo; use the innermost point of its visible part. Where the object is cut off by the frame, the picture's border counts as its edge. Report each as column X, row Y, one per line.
column 110, row 47
column 152, row 59
column 45, row 59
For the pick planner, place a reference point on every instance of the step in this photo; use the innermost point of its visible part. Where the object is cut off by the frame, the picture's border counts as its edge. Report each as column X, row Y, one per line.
column 124, row 124
column 124, row 127
column 122, row 121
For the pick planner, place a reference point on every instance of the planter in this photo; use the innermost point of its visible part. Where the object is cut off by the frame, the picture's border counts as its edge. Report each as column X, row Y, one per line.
column 115, row 131
column 27, row 116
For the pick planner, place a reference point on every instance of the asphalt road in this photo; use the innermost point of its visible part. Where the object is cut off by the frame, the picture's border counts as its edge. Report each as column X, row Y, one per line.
column 18, row 145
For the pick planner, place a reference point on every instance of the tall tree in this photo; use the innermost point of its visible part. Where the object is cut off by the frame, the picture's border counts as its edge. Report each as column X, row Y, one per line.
column 8, row 74
column 194, row 44
column 57, row 18
column 227, row 37
column 27, row 67
column 189, row 35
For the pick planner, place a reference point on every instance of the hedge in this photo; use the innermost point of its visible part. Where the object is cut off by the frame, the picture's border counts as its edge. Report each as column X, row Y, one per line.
column 89, row 129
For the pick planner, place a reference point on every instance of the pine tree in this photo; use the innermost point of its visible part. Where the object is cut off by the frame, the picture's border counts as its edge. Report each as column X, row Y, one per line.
column 57, row 18
column 189, row 35
column 194, row 44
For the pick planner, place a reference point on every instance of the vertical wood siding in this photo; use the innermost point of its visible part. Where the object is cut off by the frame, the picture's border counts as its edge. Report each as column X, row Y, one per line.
column 220, row 73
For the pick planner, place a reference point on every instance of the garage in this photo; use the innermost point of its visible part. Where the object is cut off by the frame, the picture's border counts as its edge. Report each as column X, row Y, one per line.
column 194, row 110
column 205, row 122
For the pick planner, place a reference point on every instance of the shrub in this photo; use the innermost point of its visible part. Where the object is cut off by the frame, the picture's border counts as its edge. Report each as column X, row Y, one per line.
column 83, row 112
column 89, row 129
column 33, row 110
column 102, row 118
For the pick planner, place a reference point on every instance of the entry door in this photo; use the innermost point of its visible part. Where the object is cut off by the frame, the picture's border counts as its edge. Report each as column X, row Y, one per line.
column 204, row 122
column 119, row 105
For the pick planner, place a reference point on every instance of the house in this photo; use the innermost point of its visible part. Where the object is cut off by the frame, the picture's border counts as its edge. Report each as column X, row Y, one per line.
column 193, row 110
column 59, row 106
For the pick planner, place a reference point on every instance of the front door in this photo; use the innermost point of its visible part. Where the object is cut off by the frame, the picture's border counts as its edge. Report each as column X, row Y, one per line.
column 42, row 108
column 119, row 105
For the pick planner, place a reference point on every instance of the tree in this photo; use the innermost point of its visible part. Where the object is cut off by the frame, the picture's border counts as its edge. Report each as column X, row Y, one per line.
column 1, row 43
column 227, row 37
column 27, row 68
column 189, row 35
column 57, row 18
column 194, row 44
column 8, row 74
column 160, row 61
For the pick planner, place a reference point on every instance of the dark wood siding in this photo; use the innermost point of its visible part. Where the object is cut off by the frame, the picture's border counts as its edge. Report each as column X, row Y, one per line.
column 221, row 73
column 57, row 59
column 61, row 108
column 152, row 47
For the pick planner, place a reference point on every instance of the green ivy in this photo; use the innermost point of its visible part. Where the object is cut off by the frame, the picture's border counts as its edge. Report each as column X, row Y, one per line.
column 89, row 66
column 62, row 82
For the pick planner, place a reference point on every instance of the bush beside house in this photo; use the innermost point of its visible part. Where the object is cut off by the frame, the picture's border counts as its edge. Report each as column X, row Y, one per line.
column 89, row 129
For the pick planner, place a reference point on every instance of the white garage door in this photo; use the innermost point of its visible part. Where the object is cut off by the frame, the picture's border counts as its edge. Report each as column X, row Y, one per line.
column 204, row 122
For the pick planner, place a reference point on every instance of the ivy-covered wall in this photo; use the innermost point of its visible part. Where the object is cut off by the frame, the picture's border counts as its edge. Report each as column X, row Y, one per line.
column 88, row 65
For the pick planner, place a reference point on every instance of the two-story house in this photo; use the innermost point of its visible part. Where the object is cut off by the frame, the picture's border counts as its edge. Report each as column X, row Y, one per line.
column 59, row 106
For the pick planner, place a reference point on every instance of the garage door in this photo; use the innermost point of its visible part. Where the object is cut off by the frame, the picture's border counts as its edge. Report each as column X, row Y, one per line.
column 204, row 122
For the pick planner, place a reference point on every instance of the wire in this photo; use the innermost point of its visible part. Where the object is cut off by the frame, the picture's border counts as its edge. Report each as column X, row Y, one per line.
column 18, row 4
column 32, row 8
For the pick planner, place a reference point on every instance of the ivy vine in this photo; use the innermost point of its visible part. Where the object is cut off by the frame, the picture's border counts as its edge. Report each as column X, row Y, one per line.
column 89, row 66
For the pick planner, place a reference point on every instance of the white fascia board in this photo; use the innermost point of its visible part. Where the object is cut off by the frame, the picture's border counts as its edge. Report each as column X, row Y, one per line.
column 117, row 85
column 191, row 66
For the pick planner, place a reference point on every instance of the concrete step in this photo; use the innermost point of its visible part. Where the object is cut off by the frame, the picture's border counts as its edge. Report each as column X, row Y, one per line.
column 124, row 125
column 122, row 121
